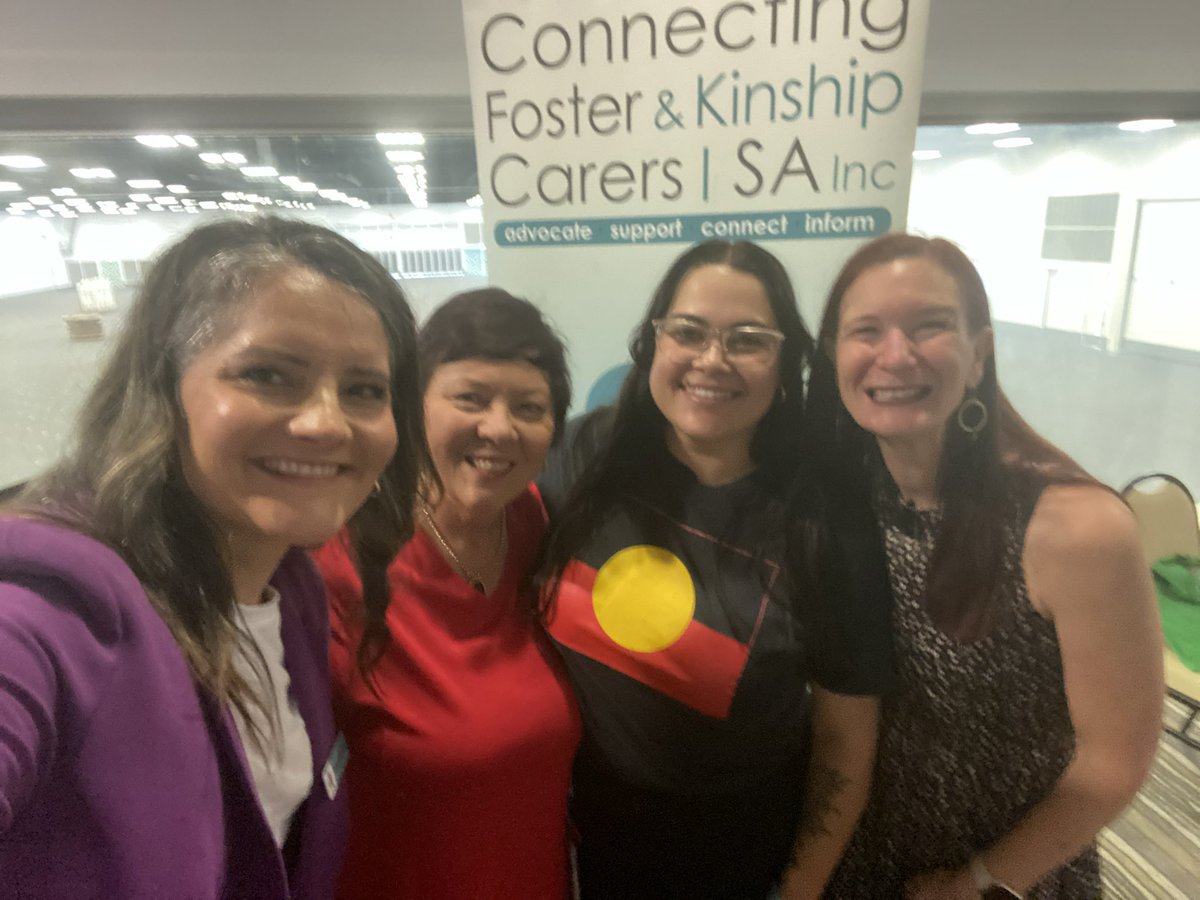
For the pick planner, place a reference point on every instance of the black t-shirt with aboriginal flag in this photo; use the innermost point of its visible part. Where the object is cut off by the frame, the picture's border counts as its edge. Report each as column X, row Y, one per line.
column 692, row 659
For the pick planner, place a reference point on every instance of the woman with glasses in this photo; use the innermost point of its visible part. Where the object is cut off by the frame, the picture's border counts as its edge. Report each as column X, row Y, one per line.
column 726, row 636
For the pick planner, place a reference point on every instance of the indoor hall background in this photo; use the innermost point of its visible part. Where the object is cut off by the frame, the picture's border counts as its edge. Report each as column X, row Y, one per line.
column 368, row 65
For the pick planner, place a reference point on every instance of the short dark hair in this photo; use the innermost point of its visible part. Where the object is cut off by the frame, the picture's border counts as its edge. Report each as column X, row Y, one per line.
column 490, row 323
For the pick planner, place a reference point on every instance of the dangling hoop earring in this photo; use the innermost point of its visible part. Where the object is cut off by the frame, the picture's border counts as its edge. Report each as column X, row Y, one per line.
column 377, row 489
column 972, row 408
column 782, row 395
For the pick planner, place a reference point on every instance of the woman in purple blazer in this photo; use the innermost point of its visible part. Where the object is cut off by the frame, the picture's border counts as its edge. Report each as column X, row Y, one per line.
column 165, row 724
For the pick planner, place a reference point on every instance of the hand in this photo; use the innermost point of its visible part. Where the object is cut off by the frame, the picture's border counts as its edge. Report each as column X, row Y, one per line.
column 944, row 884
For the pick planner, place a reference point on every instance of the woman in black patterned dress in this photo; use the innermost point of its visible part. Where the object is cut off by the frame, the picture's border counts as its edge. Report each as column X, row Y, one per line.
column 1026, row 634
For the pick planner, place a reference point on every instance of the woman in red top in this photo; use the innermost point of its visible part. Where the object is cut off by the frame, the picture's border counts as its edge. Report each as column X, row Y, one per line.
column 460, row 722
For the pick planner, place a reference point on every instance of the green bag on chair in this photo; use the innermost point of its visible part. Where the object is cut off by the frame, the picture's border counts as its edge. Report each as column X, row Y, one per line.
column 1177, row 583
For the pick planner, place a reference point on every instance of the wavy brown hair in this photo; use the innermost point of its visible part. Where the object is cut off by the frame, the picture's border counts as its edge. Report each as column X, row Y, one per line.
column 976, row 475
column 122, row 483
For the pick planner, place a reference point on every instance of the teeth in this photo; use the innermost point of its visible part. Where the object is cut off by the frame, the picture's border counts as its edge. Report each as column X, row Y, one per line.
column 707, row 393
column 896, row 395
column 486, row 464
column 299, row 469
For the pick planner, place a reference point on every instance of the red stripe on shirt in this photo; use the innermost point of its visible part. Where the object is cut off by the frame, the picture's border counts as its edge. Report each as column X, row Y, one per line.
column 701, row 669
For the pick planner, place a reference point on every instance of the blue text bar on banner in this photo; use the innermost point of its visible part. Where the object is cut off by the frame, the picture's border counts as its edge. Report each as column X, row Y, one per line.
column 790, row 225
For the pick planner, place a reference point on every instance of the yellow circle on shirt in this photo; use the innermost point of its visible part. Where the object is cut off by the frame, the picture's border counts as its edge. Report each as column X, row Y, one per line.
column 644, row 598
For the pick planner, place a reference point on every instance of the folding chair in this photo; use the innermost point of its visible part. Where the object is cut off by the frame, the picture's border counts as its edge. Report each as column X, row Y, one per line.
column 1168, row 526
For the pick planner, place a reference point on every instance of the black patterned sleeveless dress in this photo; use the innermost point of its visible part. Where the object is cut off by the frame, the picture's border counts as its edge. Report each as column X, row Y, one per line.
column 975, row 734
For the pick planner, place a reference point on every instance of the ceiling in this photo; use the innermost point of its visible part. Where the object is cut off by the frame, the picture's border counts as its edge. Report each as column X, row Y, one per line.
column 332, row 170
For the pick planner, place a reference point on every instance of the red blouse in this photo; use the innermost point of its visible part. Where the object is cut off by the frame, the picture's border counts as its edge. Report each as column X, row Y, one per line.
column 460, row 765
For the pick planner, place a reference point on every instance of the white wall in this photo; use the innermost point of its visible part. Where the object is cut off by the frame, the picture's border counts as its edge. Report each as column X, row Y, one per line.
column 993, row 203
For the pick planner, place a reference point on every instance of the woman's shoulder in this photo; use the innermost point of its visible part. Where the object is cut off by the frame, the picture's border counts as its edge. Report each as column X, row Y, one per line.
column 68, row 568
column 1081, row 540
column 1080, row 518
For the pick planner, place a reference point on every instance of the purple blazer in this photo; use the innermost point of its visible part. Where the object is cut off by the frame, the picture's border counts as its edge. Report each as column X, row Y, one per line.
column 118, row 781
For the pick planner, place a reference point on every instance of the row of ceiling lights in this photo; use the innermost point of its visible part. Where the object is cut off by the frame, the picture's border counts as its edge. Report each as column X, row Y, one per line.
column 1008, row 143
column 408, row 164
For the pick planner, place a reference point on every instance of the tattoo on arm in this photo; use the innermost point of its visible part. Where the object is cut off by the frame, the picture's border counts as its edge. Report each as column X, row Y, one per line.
column 825, row 784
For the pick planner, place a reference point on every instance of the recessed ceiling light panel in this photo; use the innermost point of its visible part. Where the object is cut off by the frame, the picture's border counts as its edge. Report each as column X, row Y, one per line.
column 993, row 128
column 1147, row 125
column 22, row 162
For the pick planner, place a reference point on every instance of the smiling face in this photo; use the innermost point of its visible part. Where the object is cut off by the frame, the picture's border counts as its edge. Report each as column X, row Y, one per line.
column 713, row 406
column 904, row 356
column 489, row 424
column 288, row 413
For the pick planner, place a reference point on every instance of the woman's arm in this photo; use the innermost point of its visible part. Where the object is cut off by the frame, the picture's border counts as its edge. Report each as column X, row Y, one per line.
column 1086, row 572
column 844, row 732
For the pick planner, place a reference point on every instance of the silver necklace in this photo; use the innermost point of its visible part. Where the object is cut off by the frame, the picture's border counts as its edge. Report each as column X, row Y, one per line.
column 473, row 579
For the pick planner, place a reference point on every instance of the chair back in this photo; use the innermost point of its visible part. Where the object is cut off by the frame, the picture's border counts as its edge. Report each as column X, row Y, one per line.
column 1166, row 516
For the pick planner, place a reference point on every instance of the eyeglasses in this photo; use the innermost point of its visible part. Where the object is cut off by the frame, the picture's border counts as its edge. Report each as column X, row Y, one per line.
column 740, row 343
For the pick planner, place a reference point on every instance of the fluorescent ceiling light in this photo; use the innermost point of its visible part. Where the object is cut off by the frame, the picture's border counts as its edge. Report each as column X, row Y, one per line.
column 475, row 202
column 1006, row 143
column 126, row 211
column 992, row 128
column 234, row 159
column 208, row 204
column 88, row 174
column 63, row 192
column 167, row 200
column 69, row 214
column 9, row 186
column 21, row 206
column 60, row 208
column 405, row 156
column 45, row 214
column 141, row 198
column 232, row 195
column 144, row 184
column 157, row 141
column 401, row 138
column 927, row 154
column 303, row 187
column 213, row 159
column 331, row 194
column 22, row 162
column 1147, row 125
column 154, row 207
column 177, row 188
column 259, row 171
column 40, row 201
column 77, row 202
column 185, row 140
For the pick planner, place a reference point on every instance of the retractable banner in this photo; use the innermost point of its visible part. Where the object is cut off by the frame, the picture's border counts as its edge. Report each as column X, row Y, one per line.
column 611, row 135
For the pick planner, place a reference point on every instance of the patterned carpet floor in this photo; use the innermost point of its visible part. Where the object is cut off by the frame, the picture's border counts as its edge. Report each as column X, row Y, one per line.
column 1153, row 850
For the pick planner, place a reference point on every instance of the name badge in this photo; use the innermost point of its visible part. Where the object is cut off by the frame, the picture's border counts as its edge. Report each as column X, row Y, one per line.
column 331, row 775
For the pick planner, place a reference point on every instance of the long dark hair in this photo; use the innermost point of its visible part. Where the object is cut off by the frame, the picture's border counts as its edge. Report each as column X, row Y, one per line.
column 122, row 482
column 638, row 427
column 975, row 475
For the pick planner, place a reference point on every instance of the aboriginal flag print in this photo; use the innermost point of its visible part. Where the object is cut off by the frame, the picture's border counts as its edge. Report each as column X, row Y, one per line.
column 680, row 617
